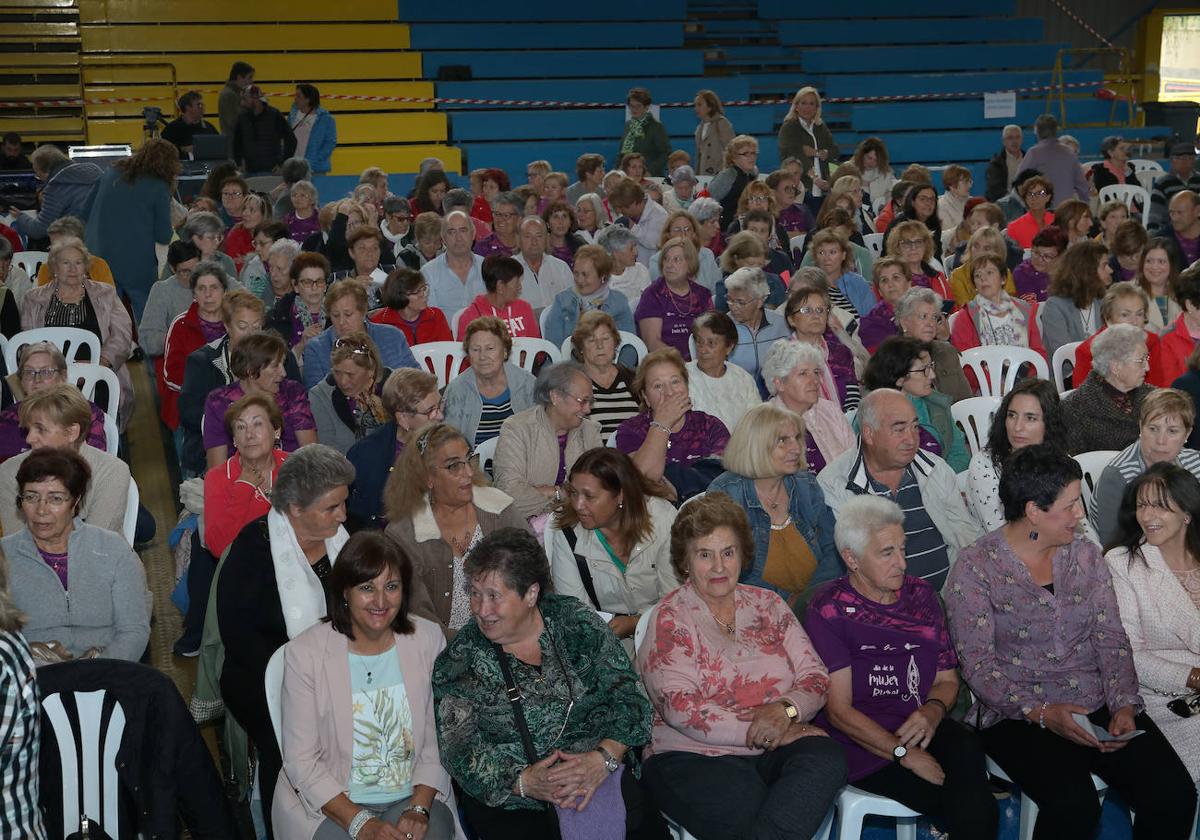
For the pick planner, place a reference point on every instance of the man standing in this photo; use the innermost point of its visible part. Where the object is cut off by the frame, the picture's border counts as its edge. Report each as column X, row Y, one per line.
column 1056, row 162
column 263, row 139
column 12, row 157
column 229, row 103
column 188, row 124
column 1183, row 176
column 1002, row 168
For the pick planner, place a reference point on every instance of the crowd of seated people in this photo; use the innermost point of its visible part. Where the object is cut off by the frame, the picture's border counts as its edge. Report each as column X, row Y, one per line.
column 739, row 434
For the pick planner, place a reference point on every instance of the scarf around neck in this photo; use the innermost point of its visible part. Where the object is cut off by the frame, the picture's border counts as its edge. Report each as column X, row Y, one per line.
column 301, row 594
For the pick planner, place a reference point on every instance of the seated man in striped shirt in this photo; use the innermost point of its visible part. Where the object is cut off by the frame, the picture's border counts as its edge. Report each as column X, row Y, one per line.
column 889, row 462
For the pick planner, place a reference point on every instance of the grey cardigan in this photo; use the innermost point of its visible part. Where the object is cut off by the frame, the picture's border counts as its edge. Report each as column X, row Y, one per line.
column 527, row 456
column 103, row 503
column 1061, row 323
column 464, row 405
column 107, row 605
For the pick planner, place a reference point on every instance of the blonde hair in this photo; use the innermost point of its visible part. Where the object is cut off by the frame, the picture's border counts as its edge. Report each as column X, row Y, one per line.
column 804, row 91
column 748, row 452
column 1167, row 402
column 408, row 485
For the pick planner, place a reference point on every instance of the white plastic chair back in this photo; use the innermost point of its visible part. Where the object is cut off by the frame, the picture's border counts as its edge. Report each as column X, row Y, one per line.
column 1058, row 365
column 544, row 321
column 1144, row 165
column 611, row 443
column 874, row 241
column 67, row 339
column 112, row 435
column 454, row 320
column 854, row 806
column 629, row 342
column 953, row 319
column 974, row 416
column 526, row 350
column 639, row 632
column 1038, row 317
column 273, row 682
column 996, row 366
column 1092, row 464
column 486, row 452
column 1129, row 195
column 86, row 376
column 1146, row 178
column 132, row 500
column 92, row 758
column 31, row 262
column 441, row 358
column 1066, row 394
column 702, row 181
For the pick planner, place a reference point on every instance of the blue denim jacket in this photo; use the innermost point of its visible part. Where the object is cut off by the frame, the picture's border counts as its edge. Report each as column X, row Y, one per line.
column 811, row 516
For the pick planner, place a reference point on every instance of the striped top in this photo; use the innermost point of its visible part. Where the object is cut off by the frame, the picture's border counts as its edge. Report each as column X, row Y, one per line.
column 613, row 405
column 20, row 721
column 495, row 411
column 924, row 549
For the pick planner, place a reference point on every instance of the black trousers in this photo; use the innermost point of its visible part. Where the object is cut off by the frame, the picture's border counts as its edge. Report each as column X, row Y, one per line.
column 1056, row 774
column 963, row 804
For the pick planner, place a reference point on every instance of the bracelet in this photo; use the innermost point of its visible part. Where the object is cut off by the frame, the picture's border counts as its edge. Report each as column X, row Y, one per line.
column 654, row 424
column 521, row 784
column 945, row 709
column 418, row 809
column 360, row 819
column 1042, row 716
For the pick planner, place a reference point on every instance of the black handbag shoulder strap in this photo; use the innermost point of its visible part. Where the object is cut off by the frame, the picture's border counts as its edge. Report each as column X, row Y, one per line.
column 585, row 574
column 514, row 697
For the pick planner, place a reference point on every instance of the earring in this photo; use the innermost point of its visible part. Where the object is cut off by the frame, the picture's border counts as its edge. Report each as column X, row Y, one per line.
column 620, row 505
column 1033, row 535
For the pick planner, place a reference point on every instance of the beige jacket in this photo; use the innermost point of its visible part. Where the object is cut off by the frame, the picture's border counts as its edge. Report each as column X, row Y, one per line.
column 710, row 147
column 527, row 456
column 103, row 504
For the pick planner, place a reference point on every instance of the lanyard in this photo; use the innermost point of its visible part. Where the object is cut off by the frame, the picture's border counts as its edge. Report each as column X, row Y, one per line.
column 612, row 555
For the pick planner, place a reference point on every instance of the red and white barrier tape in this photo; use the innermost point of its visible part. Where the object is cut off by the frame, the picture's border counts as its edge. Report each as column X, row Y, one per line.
column 1083, row 24
column 537, row 103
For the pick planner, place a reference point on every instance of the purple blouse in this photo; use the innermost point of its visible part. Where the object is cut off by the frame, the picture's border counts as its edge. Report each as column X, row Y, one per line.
column 812, row 452
column 301, row 229
column 1031, row 284
column 12, row 436
column 491, row 246
column 57, row 563
column 796, row 219
column 677, row 313
column 1020, row 646
column 841, row 368
column 877, row 325
column 702, row 436
column 293, row 403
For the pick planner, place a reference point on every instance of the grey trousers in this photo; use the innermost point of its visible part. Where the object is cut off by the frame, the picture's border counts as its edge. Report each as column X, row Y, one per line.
column 441, row 821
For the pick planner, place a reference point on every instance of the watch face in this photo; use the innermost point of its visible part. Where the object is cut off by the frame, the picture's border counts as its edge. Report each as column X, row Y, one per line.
column 899, row 752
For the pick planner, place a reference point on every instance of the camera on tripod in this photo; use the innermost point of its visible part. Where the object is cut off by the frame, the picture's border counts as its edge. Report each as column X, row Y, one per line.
column 151, row 117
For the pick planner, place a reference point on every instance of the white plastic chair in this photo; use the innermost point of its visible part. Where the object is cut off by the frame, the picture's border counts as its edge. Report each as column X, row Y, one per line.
column 974, row 416
column 1058, row 365
column 874, row 241
column 629, row 341
column 112, row 435
column 1128, row 194
column 441, row 358
column 1029, row 808
column 1092, row 464
column 544, row 321
column 132, row 500
column 996, row 366
column 273, row 681
column 86, row 376
column 68, row 339
column 953, row 319
column 1066, row 394
column 1145, row 165
column 854, row 805
column 454, row 320
column 93, row 757
column 1147, row 177
column 486, row 453
column 31, row 262
column 526, row 350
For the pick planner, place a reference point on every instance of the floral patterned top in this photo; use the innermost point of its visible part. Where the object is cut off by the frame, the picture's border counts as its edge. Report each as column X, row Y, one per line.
column 700, row 678
column 1020, row 645
column 581, row 660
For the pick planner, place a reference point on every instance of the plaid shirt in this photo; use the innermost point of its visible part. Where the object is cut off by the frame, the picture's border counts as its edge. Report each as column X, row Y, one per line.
column 20, row 721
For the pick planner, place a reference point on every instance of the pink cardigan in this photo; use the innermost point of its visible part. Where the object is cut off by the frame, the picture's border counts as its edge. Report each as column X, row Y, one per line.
column 318, row 724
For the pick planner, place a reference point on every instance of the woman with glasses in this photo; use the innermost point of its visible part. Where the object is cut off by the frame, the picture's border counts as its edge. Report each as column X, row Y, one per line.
column 40, row 367
column 750, row 305
column 919, row 314
column 847, row 288
column 911, row 242
column 439, row 505
column 1037, row 194
column 920, row 205
column 492, row 389
column 683, row 224
column 206, row 231
column 299, row 316
column 741, row 169
column 1032, row 277
column 808, row 313
column 993, row 316
column 792, row 214
column 347, row 404
column 504, row 240
column 1073, row 299
column 1123, row 303
column 405, row 299
column 594, row 344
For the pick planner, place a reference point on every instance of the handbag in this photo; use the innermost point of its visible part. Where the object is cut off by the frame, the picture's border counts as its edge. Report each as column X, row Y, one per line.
column 604, row 818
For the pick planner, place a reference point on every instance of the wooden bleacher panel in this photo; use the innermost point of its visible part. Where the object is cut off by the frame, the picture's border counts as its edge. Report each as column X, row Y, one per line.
column 354, row 159
column 213, row 67
column 231, row 11
column 240, row 37
column 44, row 128
column 165, row 96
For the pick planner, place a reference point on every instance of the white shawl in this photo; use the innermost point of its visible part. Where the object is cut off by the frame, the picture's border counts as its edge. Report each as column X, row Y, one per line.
column 300, row 592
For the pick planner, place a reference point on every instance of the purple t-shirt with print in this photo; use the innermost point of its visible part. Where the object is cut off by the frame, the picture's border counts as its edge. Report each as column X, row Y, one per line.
column 893, row 652
column 677, row 313
column 702, row 436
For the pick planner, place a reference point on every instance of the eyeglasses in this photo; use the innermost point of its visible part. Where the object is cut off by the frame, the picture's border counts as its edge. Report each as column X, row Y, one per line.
column 457, row 465
column 506, row 215
column 420, row 291
column 437, row 408
column 757, row 199
column 1140, row 361
column 927, row 370
column 738, row 302
column 54, row 500
column 355, row 347
column 38, row 374
column 911, row 243
column 237, row 194
column 813, row 310
column 310, row 282
column 1038, row 193
column 583, row 401
column 1045, row 256
column 681, row 229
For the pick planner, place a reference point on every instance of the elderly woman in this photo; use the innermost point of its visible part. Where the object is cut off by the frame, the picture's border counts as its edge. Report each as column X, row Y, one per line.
column 1165, row 421
column 629, row 277
column 40, row 366
column 767, row 475
column 747, row 250
column 805, row 136
column 667, row 308
column 504, row 241
column 591, row 216
column 256, row 362
column 279, row 272
column 405, row 305
column 206, row 231
column 346, row 306
column 439, row 506
column 594, row 344
column 591, row 293
column 302, row 222
column 502, row 283
column 910, row 241
column 396, row 224
column 1073, row 303
column 59, row 417
column 740, row 170
column 1037, row 629
column 904, row 363
column 1155, row 561
column 575, row 695
column 200, row 324
column 733, row 703
column 1102, row 413
column 427, row 242
column 669, row 440
column 1032, row 277
column 299, row 316
column 609, row 545
column 847, row 289
column 808, row 314
column 492, row 389
column 54, row 555
column 72, row 300
column 758, row 328
column 1037, row 194
column 372, row 644
column 1123, row 303
column 538, row 446
column 1029, row 414
column 347, row 404
column 644, row 134
column 919, row 314
column 683, row 224
column 891, row 278
column 899, row 742
column 993, row 316
column 1115, row 168
column 717, row 386
column 273, row 584
column 792, row 372
column 707, row 213
column 986, row 240
column 713, row 133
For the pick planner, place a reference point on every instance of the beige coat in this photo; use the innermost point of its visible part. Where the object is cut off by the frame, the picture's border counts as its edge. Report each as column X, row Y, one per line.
column 103, row 504
column 527, row 456
column 710, row 149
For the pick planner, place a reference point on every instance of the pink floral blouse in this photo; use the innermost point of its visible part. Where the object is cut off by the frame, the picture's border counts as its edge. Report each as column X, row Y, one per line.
column 1019, row 645
column 699, row 677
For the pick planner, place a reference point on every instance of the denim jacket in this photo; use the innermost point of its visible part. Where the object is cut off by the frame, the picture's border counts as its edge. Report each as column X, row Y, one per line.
column 811, row 516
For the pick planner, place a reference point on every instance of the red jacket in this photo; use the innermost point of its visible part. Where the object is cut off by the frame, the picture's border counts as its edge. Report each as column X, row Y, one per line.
column 1168, row 360
column 964, row 334
column 431, row 325
column 184, row 336
column 1083, row 359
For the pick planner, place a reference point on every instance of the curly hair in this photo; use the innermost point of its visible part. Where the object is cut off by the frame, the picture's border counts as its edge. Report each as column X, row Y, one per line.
column 157, row 158
column 699, row 518
column 998, row 445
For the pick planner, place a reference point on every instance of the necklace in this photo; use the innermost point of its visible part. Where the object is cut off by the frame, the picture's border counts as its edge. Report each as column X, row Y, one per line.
column 730, row 628
column 691, row 299
column 773, row 504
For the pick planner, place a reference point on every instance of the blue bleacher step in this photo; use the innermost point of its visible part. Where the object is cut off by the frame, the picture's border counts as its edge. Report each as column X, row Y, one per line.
column 557, row 36
column 867, row 9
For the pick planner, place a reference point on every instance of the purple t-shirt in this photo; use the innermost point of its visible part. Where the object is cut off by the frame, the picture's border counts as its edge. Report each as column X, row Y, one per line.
column 893, row 650
column 12, row 436
column 1031, row 284
column 702, row 436
column 491, row 246
column 796, row 218
column 301, row 229
column 877, row 325
column 57, row 563
column 211, row 330
column 293, row 403
column 1190, row 248
column 816, row 461
column 677, row 313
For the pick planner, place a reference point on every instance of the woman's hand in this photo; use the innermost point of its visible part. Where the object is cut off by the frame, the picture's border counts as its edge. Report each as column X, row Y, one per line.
column 577, row 776
column 672, row 410
column 809, row 151
column 923, row 765
column 623, row 625
column 1120, row 724
column 377, row 829
column 768, row 723
column 801, row 730
column 536, row 779
column 918, row 730
column 1059, row 721
column 412, row 824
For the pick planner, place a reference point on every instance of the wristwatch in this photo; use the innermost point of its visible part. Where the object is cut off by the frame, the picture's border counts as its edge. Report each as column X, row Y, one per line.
column 898, row 753
column 792, row 712
column 610, row 761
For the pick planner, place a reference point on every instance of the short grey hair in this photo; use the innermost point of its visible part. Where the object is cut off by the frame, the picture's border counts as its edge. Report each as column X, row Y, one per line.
column 199, row 223
column 394, row 204
column 210, row 268
column 1012, row 128
column 783, row 358
column 308, row 474
column 915, row 295
column 510, row 199
column 615, row 238
column 748, row 279
column 457, row 199
column 304, row 186
column 68, row 225
column 538, row 220
column 859, row 518
column 704, row 208
column 47, row 347
column 1116, row 343
column 284, row 246
column 597, row 205
column 868, row 409
column 556, row 377
column 1045, row 126
column 294, row 170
